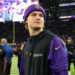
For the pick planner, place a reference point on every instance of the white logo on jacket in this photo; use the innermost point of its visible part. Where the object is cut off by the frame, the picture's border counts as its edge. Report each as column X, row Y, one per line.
column 37, row 55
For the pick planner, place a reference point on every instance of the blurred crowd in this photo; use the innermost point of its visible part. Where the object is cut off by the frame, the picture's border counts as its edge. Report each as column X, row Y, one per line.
column 10, row 10
column 69, row 46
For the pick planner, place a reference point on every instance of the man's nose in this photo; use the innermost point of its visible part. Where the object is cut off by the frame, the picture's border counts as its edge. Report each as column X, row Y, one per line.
column 38, row 17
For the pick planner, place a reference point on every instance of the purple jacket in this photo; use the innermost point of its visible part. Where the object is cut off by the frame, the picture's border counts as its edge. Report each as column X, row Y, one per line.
column 57, row 56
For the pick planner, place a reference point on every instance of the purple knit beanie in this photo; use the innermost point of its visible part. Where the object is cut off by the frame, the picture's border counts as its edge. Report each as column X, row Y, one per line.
column 32, row 8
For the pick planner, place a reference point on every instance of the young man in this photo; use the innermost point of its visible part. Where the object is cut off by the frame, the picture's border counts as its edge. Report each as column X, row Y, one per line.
column 70, row 47
column 9, row 54
column 43, row 51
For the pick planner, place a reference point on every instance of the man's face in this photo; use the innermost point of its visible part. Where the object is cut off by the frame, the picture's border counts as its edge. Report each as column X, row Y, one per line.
column 69, row 41
column 35, row 20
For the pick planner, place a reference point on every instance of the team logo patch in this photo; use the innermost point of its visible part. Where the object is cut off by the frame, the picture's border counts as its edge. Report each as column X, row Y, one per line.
column 26, row 52
column 37, row 6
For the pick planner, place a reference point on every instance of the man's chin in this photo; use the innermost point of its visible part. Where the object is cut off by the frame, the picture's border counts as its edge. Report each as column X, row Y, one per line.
column 37, row 28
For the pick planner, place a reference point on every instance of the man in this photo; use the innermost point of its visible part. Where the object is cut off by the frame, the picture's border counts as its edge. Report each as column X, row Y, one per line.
column 70, row 47
column 2, row 61
column 43, row 51
column 18, row 51
column 9, row 54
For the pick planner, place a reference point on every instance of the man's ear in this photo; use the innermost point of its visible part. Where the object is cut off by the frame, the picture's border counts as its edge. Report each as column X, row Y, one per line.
column 25, row 22
column 26, row 26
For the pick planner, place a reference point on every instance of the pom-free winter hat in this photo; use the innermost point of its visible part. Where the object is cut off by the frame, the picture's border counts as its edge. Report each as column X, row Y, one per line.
column 32, row 8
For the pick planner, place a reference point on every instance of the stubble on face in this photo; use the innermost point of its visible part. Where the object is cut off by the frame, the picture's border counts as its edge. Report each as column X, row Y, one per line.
column 36, row 28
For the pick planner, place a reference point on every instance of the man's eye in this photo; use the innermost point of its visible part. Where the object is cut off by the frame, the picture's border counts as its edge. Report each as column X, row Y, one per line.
column 41, row 15
column 33, row 14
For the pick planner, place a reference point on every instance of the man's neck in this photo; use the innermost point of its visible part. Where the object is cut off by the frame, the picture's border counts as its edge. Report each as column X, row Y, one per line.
column 33, row 33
